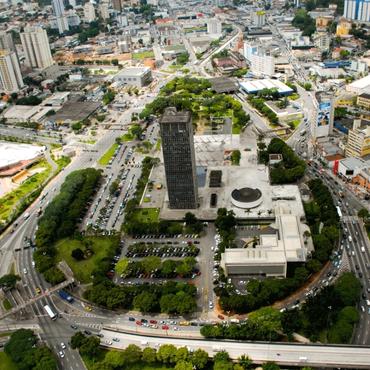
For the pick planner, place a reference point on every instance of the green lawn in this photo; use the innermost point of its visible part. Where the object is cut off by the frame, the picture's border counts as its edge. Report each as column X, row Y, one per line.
column 7, row 305
column 62, row 162
column 143, row 55
column 127, row 137
column 146, row 215
column 106, row 157
column 102, row 247
column 6, row 363
column 294, row 96
column 10, row 200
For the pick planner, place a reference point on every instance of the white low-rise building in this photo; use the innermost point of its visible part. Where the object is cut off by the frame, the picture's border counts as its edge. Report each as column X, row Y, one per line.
column 271, row 256
column 134, row 76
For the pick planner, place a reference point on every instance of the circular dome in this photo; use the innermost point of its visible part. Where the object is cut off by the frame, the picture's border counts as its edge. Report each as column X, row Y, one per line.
column 246, row 197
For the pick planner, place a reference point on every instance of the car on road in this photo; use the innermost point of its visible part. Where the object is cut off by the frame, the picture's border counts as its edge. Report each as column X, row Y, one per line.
column 165, row 327
column 63, row 345
column 139, row 323
column 115, row 339
column 37, row 290
column 61, row 354
column 74, row 327
column 87, row 332
column 131, row 319
column 153, row 321
column 25, row 271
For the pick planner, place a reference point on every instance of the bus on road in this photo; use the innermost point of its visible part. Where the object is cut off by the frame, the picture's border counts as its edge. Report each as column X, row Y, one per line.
column 50, row 312
column 339, row 212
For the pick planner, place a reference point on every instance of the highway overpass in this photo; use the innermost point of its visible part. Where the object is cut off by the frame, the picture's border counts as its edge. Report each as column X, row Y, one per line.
column 354, row 357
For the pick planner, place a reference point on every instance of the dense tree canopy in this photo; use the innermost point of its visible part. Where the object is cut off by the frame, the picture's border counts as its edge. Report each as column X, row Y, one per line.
column 25, row 351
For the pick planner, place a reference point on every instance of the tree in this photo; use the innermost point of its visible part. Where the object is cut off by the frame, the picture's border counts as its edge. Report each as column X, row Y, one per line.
column 348, row 288
column 114, row 62
column 149, row 355
column 190, row 218
column 114, row 359
column 145, row 302
column 235, row 157
column 9, row 281
column 151, row 264
column 270, row 366
column 113, row 187
column 167, row 354
column 78, row 254
column 363, row 213
column 199, row 358
column 245, row 362
column 132, row 353
column 122, row 266
column 183, row 365
column 136, row 131
column 77, row 126
column 182, row 354
column 221, row 356
column 90, row 346
column 77, row 340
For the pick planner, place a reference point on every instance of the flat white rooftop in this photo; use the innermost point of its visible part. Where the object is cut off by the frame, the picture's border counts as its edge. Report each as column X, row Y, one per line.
column 12, row 153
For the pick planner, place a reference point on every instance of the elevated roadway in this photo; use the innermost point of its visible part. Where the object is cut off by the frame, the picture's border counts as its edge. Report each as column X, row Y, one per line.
column 327, row 356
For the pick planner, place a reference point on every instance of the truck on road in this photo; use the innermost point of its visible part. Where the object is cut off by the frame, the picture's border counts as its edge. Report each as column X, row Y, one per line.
column 64, row 295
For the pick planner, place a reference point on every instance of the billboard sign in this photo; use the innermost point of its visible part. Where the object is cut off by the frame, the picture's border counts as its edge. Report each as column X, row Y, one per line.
column 323, row 114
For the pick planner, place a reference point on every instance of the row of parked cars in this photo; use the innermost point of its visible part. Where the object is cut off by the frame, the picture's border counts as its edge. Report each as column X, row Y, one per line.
column 136, row 251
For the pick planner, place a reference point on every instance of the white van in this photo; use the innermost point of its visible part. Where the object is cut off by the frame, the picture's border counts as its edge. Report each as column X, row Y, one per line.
column 362, row 249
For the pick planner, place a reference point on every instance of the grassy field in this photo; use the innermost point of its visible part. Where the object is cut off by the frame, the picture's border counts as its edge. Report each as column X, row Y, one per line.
column 101, row 246
column 6, row 363
column 10, row 200
column 7, row 305
column 127, row 137
column 62, row 162
column 146, row 215
column 106, row 157
column 143, row 55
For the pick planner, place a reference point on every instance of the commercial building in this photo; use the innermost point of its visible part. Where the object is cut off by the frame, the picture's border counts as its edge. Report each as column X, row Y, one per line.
column 89, row 12
column 351, row 167
column 362, row 179
column 359, row 86
column 179, row 159
column 262, row 65
column 273, row 252
column 363, row 100
column 10, row 72
column 249, row 50
column 254, row 86
column 214, row 27
column 36, row 47
column 357, row 10
column 358, row 143
column 134, row 76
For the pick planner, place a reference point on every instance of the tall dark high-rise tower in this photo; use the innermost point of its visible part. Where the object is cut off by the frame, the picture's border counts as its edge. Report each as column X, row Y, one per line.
column 179, row 159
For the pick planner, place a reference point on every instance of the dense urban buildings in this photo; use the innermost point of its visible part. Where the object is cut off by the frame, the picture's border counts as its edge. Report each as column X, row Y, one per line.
column 179, row 159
